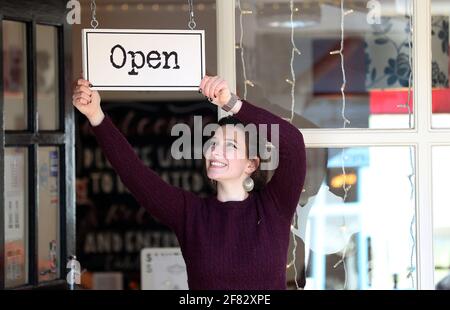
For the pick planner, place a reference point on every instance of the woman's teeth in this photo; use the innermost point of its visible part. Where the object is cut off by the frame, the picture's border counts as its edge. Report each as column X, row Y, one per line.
column 217, row 164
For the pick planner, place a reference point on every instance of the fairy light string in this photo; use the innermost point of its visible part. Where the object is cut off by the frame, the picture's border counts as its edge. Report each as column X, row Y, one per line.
column 346, row 122
column 247, row 82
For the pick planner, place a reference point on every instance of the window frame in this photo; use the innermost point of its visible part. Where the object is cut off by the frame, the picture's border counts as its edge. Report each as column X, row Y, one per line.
column 422, row 138
column 50, row 13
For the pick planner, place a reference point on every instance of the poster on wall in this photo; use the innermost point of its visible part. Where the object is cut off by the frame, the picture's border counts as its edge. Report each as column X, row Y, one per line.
column 112, row 228
column 143, row 60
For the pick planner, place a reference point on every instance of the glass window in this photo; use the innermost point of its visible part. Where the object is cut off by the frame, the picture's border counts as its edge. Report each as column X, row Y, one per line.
column 49, row 203
column 356, row 219
column 47, row 77
column 15, row 75
column 376, row 61
column 16, row 216
column 441, row 213
column 440, row 63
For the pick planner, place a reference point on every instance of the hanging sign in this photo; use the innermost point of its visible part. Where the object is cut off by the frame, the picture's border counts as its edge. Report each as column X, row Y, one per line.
column 143, row 60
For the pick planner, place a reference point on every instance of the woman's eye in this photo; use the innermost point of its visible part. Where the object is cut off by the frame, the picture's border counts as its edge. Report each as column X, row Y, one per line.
column 231, row 144
column 211, row 144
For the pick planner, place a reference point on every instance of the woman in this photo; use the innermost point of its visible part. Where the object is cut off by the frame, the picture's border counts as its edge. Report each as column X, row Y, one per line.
column 238, row 239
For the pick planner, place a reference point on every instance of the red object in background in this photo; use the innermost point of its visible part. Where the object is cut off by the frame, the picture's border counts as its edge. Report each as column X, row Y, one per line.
column 387, row 101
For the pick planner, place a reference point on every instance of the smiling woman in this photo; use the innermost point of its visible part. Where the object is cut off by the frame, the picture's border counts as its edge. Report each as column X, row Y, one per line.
column 237, row 239
column 153, row 59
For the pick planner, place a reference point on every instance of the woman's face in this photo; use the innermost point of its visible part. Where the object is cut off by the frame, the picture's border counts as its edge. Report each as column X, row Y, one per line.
column 226, row 155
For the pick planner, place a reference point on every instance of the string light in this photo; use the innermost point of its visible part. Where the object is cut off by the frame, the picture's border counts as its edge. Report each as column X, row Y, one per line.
column 408, row 12
column 294, row 251
column 292, row 82
column 407, row 105
column 294, row 51
column 153, row 7
column 345, row 187
column 250, row 83
column 247, row 82
column 341, row 54
column 342, row 261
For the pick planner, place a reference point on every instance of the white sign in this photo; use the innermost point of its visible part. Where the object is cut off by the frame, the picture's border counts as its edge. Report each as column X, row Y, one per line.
column 163, row 269
column 142, row 60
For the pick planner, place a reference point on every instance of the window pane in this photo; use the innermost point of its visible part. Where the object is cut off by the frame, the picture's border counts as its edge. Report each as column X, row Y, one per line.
column 15, row 75
column 16, row 217
column 441, row 213
column 373, row 231
column 377, row 61
column 441, row 64
column 47, row 77
column 49, row 203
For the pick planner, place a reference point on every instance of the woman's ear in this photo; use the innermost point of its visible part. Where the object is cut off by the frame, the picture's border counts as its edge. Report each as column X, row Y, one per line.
column 252, row 165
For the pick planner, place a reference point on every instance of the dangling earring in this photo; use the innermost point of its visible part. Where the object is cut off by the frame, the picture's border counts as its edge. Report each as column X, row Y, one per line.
column 248, row 184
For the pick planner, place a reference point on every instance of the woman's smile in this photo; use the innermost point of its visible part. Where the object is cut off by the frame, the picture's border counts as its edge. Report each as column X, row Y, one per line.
column 214, row 164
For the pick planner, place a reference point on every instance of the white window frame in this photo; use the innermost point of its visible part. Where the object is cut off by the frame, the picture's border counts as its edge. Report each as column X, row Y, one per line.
column 423, row 137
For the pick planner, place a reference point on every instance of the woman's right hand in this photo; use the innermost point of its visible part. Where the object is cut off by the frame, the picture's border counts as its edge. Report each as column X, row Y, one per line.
column 87, row 101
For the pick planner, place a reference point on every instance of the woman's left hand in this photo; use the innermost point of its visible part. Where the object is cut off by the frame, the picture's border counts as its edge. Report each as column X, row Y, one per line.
column 216, row 89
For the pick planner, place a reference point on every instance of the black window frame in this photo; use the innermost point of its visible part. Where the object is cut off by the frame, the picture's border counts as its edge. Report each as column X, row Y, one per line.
column 50, row 13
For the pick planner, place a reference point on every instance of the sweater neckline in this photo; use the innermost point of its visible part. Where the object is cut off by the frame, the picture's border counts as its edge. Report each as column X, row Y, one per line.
column 233, row 204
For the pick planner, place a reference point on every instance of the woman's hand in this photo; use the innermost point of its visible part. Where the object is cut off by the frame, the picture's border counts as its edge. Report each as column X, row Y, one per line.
column 216, row 89
column 87, row 101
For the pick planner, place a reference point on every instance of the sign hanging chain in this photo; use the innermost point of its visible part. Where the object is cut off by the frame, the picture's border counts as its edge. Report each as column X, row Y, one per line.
column 94, row 21
column 192, row 24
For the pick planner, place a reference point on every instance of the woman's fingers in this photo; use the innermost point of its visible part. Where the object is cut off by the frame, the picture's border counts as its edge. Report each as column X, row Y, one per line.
column 203, row 83
column 80, row 101
column 83, row 90
column 207, row 86
column 82, row 82
column 219, row 87
column 212, row 85
column 82, row 95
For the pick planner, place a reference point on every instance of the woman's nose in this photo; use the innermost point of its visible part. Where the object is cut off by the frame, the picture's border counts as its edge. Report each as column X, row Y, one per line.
column 215, row 150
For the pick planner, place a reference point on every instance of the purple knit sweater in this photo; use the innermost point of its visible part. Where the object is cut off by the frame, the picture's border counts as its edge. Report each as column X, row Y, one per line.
column 222, row 243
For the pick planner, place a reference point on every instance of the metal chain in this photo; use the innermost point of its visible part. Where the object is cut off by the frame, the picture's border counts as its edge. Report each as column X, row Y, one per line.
column 192, row 24
column 94, row 21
